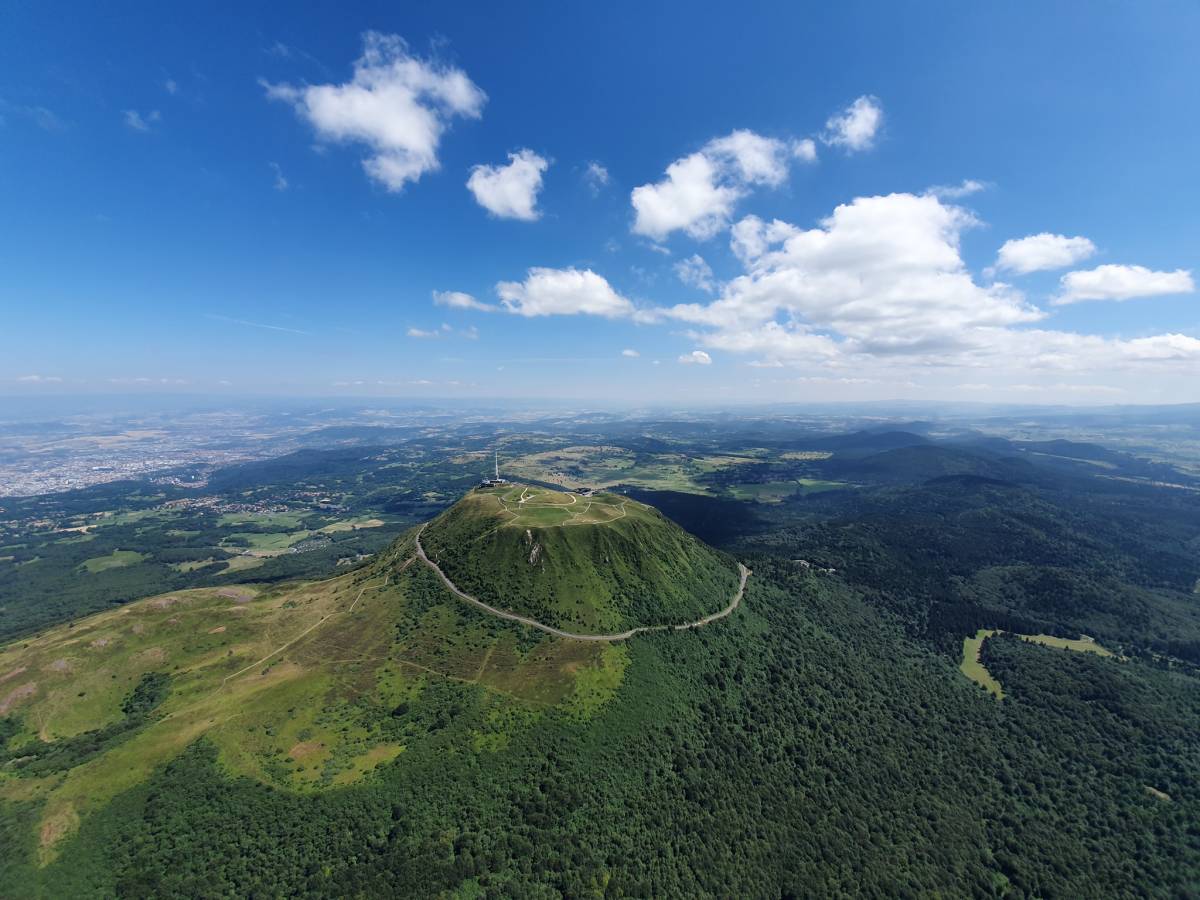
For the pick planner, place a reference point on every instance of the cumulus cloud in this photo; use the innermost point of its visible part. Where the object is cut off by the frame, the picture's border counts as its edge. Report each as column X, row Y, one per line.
column 699, row 192
column 396, row 104
column 510, row 192
column 805, row 150
column 422, row 333
column 1042, row 251
column 750, row 237
column 596, row 177
column 695, row 272
column 689, row 198
column 460, row 300
column 136, row 121
column 696, row 358
column 879, row 287
column 882, row 272
column 548, row 292
column 631, row 354
column 855, row 127
column 39, row 379
column 754, row 159
column 774, row 342
column 1119, row 283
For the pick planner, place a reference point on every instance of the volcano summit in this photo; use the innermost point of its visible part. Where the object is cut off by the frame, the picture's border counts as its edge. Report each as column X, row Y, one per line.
column 601, row 567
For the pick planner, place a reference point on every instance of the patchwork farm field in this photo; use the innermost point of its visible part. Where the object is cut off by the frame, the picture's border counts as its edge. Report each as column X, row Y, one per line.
column 744, row 475
column 608, row 466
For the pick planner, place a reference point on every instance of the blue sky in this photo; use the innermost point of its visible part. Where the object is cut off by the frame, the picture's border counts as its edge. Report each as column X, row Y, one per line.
column 760, row 201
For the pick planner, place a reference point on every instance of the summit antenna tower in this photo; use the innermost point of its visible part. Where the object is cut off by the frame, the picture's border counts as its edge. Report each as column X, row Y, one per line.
column 497, row 480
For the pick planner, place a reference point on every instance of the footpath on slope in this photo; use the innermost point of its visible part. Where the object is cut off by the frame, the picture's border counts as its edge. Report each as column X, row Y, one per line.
column 743, row 572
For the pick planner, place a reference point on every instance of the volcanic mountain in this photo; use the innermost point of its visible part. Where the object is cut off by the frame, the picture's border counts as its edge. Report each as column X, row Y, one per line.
column 514, row 602
column 588, row 564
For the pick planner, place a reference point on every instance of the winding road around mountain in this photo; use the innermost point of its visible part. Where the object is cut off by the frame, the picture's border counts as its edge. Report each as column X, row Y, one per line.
column 743, row 572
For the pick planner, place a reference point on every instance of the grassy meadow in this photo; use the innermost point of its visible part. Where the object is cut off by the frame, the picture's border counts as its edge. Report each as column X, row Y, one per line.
column 304, row 688
column 973, row 667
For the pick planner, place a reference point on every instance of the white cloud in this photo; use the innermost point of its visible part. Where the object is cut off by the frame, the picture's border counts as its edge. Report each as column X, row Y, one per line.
column 39, row 379
column 700, row 190
column 855, row 127
column 510, row 192
column 548, row 292
column 695, row 272
column 696, row 358
column 689, row 198
column 281, row 183
column 883, row 272
column 596, row 177
column 1112, row 282
column 774, row 342
column 805, row 150
column 1066, row 351
column 171, row 86
column 753, row 158
column 965, row 188
column 397, row 104
column 750, row 237
column 879, row 288
column 1042, row 251
column 632, row 354
column 422, row 333
column 138, row 122
column 460, row 300
column 1162, row 347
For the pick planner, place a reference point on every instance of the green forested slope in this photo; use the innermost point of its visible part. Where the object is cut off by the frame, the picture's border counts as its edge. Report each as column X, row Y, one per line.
column 802, row 747
column 636, row 569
